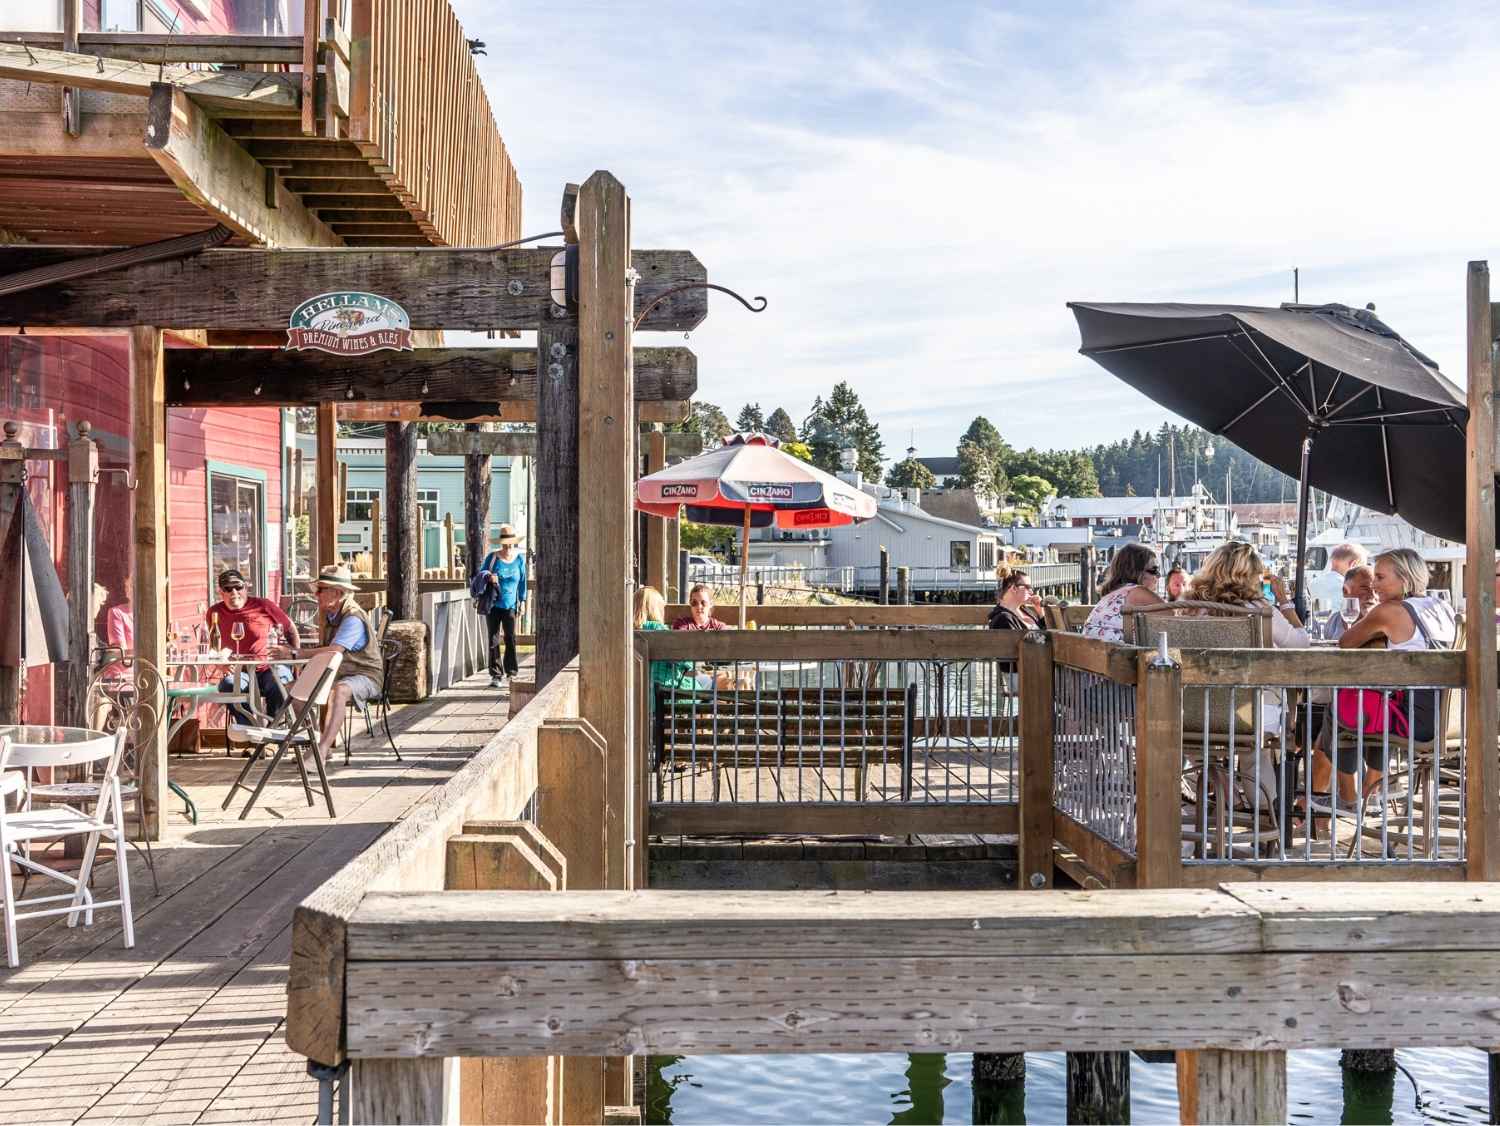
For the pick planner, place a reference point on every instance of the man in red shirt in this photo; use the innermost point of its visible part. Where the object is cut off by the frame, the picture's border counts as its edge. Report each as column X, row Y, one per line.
column 700, row 613
column 259, row 616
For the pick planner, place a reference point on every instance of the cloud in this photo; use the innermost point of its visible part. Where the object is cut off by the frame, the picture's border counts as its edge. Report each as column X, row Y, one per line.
column 920, row 189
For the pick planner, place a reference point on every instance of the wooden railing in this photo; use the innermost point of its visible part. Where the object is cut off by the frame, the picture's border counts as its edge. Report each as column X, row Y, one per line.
column 849, row 616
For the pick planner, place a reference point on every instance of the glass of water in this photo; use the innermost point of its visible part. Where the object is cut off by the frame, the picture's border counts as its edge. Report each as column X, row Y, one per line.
column 1350, row 611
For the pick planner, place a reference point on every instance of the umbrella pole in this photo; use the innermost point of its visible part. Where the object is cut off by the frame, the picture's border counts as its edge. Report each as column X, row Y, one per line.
column 1302, row 498
column 744, row 563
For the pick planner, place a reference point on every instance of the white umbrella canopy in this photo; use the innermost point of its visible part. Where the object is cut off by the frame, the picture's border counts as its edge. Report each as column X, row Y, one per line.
column 749, row 482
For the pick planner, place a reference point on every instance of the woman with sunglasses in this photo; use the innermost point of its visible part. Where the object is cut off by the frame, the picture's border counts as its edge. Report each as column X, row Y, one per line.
column 1130, row 584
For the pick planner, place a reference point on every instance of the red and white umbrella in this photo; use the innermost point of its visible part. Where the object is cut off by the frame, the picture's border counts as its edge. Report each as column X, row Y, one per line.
column 750, row 483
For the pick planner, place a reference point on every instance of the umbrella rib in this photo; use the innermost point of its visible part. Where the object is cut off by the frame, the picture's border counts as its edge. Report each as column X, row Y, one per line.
column 1385, row 450
column 1154, row 344
column 1338, row 377
column 1352, row 399
column 1276, row 376
column 1379, row 415
column 1225, row 428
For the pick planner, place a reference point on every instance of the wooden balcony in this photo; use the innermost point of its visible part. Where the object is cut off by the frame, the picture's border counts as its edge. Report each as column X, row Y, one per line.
column 374, row 132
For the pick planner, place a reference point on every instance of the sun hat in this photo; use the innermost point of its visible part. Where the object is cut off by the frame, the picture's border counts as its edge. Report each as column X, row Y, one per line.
column 337, row 575
column 507, row 534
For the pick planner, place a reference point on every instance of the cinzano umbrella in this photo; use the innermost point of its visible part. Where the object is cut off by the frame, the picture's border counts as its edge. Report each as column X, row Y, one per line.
column 1325, row 393
column 748, row 482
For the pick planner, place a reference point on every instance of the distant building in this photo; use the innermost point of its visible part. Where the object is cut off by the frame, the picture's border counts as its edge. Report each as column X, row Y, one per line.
column 946, row 470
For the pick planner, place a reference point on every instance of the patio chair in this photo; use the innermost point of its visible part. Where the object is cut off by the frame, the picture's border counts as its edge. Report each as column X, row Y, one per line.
column 19, row 829
column 1218, row 720
column 380, row 618
column 295, row 728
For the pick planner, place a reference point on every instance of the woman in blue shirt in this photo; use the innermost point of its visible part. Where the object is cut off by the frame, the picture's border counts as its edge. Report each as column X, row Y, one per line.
column 501, row 583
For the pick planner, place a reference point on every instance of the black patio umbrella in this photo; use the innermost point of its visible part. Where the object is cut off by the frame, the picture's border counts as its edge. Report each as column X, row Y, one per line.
column 33, row 609
column 1325, row 393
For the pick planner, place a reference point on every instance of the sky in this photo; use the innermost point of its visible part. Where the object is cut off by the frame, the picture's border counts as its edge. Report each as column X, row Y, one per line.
column 919, row 188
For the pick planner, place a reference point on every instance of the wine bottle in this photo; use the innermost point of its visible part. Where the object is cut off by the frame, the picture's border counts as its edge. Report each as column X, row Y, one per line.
column 215, row 639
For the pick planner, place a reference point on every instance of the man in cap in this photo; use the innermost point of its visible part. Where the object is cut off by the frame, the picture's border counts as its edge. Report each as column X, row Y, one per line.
column 261, row 618
column 346, row 629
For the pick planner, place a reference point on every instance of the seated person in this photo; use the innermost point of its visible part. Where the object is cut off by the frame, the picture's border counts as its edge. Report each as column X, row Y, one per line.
column 347, row 629
column 1407, row 617
column 700, row 611
column 1232, row 574
column 1359, row 582
column 1177, row 581
column 674, row 676
column 260, row 616
column 1016, row 604
column 1129, row 584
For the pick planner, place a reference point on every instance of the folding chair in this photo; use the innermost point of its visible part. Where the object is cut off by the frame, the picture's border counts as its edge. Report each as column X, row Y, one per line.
column 380, row 618
column 307, row 694
column 19, row 829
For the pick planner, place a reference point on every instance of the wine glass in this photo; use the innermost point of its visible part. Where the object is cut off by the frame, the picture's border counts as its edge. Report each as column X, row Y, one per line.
column 237, row 633
column 1350, row 611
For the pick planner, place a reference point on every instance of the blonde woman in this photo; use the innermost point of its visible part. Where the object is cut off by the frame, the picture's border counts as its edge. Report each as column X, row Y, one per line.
column 1233, row 574
column 650, row 612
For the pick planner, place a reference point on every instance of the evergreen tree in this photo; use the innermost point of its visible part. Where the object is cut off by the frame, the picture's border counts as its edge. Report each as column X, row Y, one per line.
column 779, row 425
column 910, row 474
column 750, row 419
column 842, row 421
column 708, row 422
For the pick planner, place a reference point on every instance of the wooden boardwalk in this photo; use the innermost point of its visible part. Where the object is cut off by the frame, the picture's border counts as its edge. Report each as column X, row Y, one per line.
column 187, row 1026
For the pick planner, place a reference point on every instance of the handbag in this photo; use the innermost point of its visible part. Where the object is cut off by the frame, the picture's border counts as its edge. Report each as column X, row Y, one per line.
column 1380, row 712
column 482, row 590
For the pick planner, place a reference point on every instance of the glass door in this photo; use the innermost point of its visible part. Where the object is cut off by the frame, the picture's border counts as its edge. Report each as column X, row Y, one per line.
column 236, row 528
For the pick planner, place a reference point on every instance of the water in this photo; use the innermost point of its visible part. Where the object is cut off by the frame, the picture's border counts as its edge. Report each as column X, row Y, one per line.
column 1437, row 1085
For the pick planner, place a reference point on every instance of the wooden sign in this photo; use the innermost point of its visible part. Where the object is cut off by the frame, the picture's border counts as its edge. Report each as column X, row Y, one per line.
column 255, row 290
column 248, row 377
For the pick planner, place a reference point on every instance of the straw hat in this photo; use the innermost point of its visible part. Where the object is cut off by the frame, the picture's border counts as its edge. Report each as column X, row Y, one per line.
column 506, row 534
column 338, row 576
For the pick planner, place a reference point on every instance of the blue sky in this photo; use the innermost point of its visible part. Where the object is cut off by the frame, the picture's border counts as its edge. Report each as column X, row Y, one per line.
column 919, row 187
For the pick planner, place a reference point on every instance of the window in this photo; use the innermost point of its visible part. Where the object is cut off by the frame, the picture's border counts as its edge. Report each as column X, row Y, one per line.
column 357, row 503
column 427, row 503
column 986, row 555
column 236, row 508
column 958, row 554
column 121, row 15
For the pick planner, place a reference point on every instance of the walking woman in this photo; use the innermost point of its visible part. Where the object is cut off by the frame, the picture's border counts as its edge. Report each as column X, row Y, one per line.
column 500, row 588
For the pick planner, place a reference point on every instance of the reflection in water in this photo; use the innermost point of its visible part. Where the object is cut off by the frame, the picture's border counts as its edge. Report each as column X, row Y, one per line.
column 925, row 1081
column 1368, row 1097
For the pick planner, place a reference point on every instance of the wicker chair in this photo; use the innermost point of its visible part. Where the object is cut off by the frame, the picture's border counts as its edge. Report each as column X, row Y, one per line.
column 1218, row 721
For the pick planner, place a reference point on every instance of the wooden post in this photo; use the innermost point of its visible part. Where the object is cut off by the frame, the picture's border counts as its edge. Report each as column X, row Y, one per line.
column 670, row 553
column 570, row 809
column 1098, row 1087
column 1158, row 772
column 328, row 513
column 903, row 585
column 557, row 502
column 424, row 1089
column 403, row 520
column 1035, row 839
column 149, row 602
column 656, row 528
column 72, row 25
column 1086, row 573
column 1231, row 1087
column 606, row 459
column 478, row 480
column 450, row 547
column 12, row 481
column 377, row 539
column 885, row 576
column 1482, row 770
column 83, row 476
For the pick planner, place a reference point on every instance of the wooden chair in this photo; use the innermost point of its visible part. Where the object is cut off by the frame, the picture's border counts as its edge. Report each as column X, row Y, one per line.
column 1218, row 720
column 307, row 694
column 1070, row 619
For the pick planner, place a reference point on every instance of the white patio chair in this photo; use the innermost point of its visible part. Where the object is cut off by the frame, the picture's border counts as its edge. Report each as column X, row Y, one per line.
column 294, row 728
column 19, row 829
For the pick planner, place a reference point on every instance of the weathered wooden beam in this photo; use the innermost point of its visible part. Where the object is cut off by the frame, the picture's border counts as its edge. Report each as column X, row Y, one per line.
column 230, row 91
column 478, row 480
column 1158, row 726
column 1036, row 754
column 557, row 498
column 256, row 377
column 328, row 513
column 256, row 290
column 221, row 177
column 150, row 606
column 482, row 443
column 103, row 136
column 147, row 47
column 1231, row 1087
column 73, row 676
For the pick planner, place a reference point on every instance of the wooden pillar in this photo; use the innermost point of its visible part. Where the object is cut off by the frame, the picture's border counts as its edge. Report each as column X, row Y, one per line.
column 903, row 585
column 73, row 676
column 328, row 514
column 1231, row 1087
column 1098, row 1087
column 672, row 534
column 1158, row 772
column 570, row 810
column 1086, row 573
column 12, row 481
column 606, row 459
column 420, row 1090
column 1035, row 839
column 656, row 528
column 557, row 502
column 72, row 24
column 403, row 521
column 1482, row 770
column 450, row 547
column 149, row 600
column 377, row 538
column 478, row 480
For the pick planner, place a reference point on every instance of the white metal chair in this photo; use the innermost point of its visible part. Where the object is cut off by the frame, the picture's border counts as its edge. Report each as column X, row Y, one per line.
column 295, row 728
column 21, row 828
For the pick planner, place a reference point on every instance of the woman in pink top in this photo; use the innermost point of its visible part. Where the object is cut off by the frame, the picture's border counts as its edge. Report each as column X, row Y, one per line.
column 1130, row 584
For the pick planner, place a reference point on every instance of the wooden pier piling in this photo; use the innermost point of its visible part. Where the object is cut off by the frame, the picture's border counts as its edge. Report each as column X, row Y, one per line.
column 1098, row 1087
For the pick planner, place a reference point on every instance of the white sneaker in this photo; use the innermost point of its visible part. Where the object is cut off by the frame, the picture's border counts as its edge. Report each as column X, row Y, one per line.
column 496, row 682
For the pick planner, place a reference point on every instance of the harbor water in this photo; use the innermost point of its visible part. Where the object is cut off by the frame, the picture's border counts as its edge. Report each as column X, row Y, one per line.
column 1431, row 1085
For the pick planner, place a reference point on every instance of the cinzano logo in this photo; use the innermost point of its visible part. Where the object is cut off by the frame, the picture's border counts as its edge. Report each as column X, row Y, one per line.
column 769, row 492
column 349, row 323
column 812, row 518
column 675, row 492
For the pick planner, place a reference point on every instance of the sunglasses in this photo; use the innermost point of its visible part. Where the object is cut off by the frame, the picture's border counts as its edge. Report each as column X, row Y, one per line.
column 1152, row 571
column 233, row 586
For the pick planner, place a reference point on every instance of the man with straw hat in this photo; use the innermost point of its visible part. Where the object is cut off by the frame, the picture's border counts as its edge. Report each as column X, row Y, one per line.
column 499, row 591
column 347, row 629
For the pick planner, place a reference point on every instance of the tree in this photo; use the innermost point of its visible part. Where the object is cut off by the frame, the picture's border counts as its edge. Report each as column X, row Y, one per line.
column 910, row 474
column 780, row 426
column 842, row 421
column 705, row 538
column 750, row 419
column 978, row 470
column 983, row 434
column 708, row 422
column 797, row 450
column 1030, row 491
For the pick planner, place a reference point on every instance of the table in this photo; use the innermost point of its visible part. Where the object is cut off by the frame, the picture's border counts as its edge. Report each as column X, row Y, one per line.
column 34, row 745
column 206, row 691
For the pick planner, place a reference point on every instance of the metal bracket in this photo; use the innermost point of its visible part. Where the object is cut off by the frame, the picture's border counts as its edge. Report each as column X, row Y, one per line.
column 328, row 1077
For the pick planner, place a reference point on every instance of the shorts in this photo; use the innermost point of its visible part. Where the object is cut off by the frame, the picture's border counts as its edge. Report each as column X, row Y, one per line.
column 361, row 688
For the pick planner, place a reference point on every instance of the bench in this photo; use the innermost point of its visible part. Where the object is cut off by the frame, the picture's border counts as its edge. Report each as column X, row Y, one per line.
column 796, row 728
